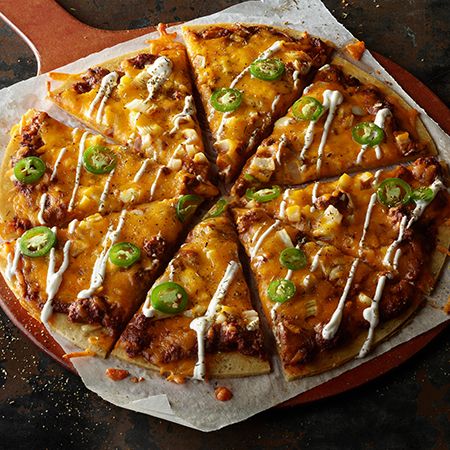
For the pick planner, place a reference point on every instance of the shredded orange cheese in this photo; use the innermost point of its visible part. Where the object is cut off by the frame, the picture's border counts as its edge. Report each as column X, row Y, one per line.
column 356, row 49
column 78, row 354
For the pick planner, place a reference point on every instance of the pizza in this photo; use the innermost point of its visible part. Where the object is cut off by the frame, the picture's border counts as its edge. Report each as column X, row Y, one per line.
column 113, row 234
column 87, row 280
column 53, row 174
column 345, row 121
column 248, row 75
column 198, row 320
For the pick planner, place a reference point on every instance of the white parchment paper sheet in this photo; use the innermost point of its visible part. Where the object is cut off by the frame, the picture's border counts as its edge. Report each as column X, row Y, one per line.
column 193, row 404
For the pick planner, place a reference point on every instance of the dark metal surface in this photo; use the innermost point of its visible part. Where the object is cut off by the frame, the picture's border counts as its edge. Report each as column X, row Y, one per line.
column 44, row 406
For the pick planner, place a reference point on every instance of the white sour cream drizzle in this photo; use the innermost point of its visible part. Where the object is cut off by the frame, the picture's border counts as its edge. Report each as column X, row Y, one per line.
column 78, row 171
column 380, row 119
column 185, row 115
column 141, row 170
column 159, row 73
column 101, row 204
column 283, row 204
column 42, row 201
column 314, row 196
column 201, row 324
column 12, row 262
column 57, row 162
column 371, row 315
column 281, row 144
column 155, row 182
column 330, row 329
column 373, row 200
column 315, row 261
column 309, row 137
column 422, row 204
column 262, row 237
column 98, row 272
column 331, row 100
column 388, row 256
column 109, row 82
column 54, row 279
column 275, row 103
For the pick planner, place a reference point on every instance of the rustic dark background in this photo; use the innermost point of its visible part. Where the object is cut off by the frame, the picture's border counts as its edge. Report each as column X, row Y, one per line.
column 44, row 406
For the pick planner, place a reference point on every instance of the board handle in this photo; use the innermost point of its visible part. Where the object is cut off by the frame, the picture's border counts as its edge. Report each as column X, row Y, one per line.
column 55, row 36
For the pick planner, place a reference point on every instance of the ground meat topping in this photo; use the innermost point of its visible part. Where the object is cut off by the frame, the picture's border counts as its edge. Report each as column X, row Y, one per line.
column 155, row 247
column 31, row 139
column 141, row 60
column 91, row 78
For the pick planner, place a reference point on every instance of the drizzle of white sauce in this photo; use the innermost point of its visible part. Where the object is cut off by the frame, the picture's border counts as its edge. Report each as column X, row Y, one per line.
column 397, row 255
column 101, row 205
column 185, row 115
column 281, row 144
column 331, row 100
column 262, row 237
column 373, row 200
column 159, row 73
column 309, row 137
column 54, row 279
column 330, row 329
column 108, row 83
column 78, row 171
column 99, row 269
column 283, row 204
column 12, row 262
column 57, row 162
column 141, row 170
column 155, row 182
column 275, row 103
column 380, row 119
column 436, row 186
column 201, row 324
column 72, row 226
column 370, row 314
column 42, row 202
column 315, row 261
column 314, row 196
column 388, row 256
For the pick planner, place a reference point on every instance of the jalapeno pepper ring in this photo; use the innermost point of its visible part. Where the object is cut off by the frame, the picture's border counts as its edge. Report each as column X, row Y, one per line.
column 186, row 206
column 263, row 195
column 124, row 254
column 394, row 192
column 169, row 298
column 226, row 99
column 281, row 291
column 367, row 133
column 293, row 258
column 217, row 209
column 270, row 69
column 307, row 108
column 424, row 194
column 37, row 242
column 29, row 170
column 99, row 160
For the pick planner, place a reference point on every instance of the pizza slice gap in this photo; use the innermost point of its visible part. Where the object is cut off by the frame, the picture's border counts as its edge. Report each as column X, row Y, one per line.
column 247, row 76
column 324, row 307
column 53, row 174
column 198, row 320
column 143, row 100
column 86, row 281
column 394, row 219
column 345, row 121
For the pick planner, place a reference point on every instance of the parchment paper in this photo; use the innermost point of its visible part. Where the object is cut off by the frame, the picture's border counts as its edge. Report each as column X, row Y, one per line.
column 193, row 404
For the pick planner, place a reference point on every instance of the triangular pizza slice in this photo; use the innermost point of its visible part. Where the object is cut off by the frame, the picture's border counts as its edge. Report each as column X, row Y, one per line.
column 324, row 307
column 345, row 121
column 53, row 174
column 87, row 280
column 248, row 75
column 143, row 100
column 198, row 320
column 386, row 218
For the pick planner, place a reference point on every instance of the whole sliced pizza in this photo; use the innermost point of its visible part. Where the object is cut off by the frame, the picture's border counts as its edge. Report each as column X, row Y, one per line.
column 332, row 227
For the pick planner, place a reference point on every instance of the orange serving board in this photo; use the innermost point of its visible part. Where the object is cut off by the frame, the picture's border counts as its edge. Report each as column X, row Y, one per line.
column 63, row 39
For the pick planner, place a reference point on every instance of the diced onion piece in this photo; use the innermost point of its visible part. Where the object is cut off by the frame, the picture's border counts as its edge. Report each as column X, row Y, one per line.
column 310, row 308
column 293, row 213
column 364, row 299
column 252, row 319
column 345, row 181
